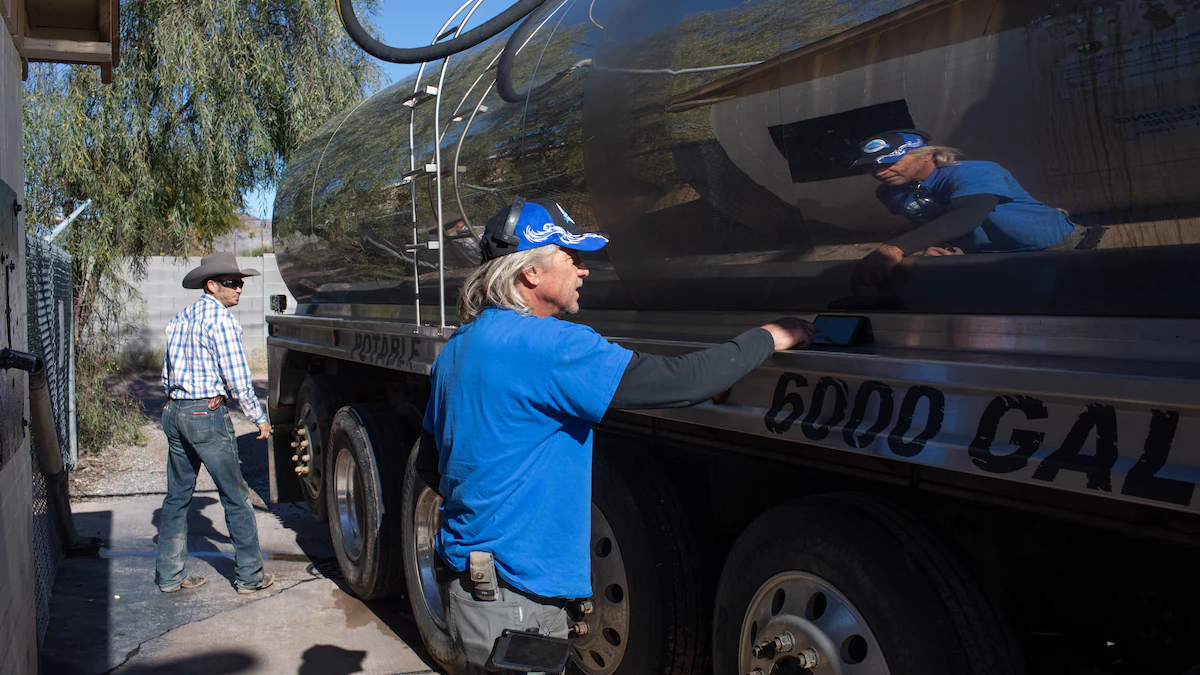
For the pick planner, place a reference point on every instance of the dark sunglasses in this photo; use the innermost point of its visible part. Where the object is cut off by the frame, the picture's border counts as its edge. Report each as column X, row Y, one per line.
column 231, row 283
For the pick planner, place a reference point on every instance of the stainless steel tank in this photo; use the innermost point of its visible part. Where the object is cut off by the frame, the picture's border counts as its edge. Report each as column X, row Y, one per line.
column 712, row 139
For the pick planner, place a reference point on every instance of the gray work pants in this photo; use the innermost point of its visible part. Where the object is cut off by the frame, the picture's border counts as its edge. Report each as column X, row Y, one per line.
column 475, row 624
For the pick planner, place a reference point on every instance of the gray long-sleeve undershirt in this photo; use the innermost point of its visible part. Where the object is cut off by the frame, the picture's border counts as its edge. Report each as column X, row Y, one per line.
column 652, row 381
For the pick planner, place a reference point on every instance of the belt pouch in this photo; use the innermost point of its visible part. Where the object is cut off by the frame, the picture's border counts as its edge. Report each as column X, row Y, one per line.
column 481, row 567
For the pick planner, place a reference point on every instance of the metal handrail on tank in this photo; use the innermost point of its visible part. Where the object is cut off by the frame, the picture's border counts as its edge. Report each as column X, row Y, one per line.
column 437, row 152
column 437, row 161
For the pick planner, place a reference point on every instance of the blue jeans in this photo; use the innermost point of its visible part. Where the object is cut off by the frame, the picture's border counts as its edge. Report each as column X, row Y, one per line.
column 198, row 435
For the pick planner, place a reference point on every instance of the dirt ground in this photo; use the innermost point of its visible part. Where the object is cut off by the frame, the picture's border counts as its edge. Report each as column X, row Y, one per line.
column 138, row 470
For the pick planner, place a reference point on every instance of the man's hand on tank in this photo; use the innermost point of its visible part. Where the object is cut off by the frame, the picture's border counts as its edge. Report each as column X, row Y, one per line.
column 876, row 266
column 264, row 430
column 790, row 332
column 938, row 251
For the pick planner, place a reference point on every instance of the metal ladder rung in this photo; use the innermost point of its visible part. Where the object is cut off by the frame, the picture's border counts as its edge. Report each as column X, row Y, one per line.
column 431, row 245
column 426, row 94
column 428, row 168
column 459, row 118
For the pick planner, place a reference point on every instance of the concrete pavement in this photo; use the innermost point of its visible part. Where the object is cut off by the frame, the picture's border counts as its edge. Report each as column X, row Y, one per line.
column 107, row 615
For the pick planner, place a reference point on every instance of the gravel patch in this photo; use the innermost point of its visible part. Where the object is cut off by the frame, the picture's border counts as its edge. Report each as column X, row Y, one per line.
column 139, row 470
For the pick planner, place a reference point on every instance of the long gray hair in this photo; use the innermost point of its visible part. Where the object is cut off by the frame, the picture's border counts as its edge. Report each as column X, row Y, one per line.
column 496, row 282
column 942, row 155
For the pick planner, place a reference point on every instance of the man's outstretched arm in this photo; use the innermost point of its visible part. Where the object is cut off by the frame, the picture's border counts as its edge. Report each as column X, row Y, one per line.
column 652, row 381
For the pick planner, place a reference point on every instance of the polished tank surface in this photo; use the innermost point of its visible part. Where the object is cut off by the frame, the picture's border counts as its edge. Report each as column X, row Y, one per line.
column 713, row 140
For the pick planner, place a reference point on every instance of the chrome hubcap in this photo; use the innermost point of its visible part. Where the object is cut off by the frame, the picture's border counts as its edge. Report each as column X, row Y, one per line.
column 349, row 499
column 601, row 650
column 427, row 520
column 800, row 623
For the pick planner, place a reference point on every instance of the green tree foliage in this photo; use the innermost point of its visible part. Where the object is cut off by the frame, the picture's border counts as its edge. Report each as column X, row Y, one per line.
column 208, row 102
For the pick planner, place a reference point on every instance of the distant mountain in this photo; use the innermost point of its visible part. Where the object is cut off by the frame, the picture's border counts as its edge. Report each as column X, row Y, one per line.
column 252, row 235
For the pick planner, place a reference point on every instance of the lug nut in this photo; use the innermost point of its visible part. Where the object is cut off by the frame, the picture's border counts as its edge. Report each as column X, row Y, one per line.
column 579, row 629
column 302, row 431
column 762, row 650
column 304, row 459
column 295, row 444
column 808, row 658
column 587, row 606
column 304, row 443
column 756, row 671
column 302, row 470
column 784, row 643
column 295, row 458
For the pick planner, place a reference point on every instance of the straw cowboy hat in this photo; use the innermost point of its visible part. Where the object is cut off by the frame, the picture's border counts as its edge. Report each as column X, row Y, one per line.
column 215, row 265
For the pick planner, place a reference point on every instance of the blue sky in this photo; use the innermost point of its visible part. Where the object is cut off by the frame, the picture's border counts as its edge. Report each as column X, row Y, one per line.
column 402, row 23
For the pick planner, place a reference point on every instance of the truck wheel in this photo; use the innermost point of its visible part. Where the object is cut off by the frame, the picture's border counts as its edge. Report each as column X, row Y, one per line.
column 318, row 401
column 856, row 585
column 647, row 588
column 425, row 574
column 366, row 462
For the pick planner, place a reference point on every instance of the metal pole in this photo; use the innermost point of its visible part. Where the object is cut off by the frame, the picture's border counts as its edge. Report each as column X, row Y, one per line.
column 66, row 223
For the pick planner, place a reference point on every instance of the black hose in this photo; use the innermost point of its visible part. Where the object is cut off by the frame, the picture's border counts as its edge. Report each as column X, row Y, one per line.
column 437, row 51
column 504, row 87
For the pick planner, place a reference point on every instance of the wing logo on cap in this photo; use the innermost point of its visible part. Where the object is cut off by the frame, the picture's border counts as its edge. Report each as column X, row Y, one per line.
column 875, row 145
column 902, row 150
column 551, row 230
column 563, row 211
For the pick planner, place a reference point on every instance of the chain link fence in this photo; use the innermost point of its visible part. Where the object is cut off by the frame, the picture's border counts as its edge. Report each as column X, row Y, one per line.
column 51, row 336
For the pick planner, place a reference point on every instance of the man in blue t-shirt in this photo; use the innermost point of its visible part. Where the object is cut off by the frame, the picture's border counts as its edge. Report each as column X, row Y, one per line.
column 955, row 206
column 515, row 393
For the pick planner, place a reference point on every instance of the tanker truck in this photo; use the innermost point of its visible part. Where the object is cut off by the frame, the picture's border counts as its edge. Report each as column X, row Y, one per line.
column 992, row 469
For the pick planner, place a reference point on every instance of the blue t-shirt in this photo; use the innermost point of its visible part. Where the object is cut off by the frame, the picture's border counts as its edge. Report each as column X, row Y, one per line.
column 1018, row 223
column 513, row 403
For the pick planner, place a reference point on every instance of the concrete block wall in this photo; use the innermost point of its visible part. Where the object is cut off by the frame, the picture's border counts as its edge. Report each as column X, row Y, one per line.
column 18, row 609
column 164, row 296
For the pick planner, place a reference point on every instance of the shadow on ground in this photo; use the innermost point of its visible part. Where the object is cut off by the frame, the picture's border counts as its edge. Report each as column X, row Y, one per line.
column 331, row 660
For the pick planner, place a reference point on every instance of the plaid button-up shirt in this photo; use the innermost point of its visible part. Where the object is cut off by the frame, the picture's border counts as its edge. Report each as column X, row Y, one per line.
column 204, row 357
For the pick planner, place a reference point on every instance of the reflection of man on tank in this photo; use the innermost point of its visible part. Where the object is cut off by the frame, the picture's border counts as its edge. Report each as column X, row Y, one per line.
column 462, row 249
column 955, row 206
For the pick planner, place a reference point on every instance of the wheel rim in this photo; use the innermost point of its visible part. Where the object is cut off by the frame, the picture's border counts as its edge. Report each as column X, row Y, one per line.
column 817, row 619
column 602, row 649
column 349, row 501
column 427, row 520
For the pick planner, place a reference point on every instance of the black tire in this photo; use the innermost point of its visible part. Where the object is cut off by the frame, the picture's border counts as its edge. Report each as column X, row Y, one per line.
column 919, row 604
column 433, row 630
column 319, row 399
column 666, row 588
column 373, row 443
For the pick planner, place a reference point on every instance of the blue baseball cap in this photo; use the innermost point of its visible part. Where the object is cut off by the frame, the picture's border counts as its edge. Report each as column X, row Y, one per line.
column 889, row 146
column 528, row 225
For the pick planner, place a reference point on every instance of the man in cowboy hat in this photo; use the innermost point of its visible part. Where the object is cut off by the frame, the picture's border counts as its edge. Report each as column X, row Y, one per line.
column 203, row 365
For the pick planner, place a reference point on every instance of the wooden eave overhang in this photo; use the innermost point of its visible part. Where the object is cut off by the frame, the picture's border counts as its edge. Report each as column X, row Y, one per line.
column 66, row 31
